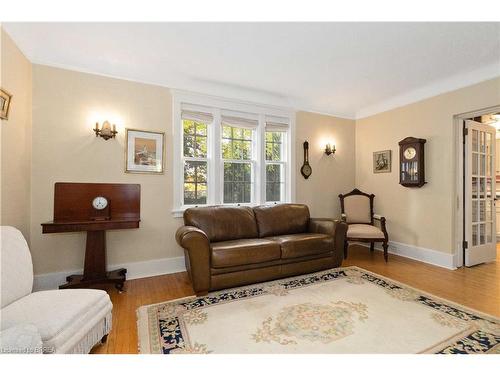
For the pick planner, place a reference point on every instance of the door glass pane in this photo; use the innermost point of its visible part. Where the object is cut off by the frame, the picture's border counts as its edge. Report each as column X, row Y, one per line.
column 482, row 140
column 488, row 187
column 474, row 210
column 475, row 162
column 488, row 143
column 482, row 187
column 482, row 210
column 474, row 187
column 482, row 165
column 489, row 227
column 474, row 235
column 474, row 140
column 482, row 234
column 489, row 211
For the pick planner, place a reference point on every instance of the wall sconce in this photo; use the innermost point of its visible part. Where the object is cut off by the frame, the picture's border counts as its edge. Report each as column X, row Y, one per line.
column 329, row 149
column 105, row 131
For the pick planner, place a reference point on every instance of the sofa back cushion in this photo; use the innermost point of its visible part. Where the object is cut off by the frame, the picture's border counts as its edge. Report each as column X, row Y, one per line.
column 16, row 267
column 274, row 220
column 223, row 223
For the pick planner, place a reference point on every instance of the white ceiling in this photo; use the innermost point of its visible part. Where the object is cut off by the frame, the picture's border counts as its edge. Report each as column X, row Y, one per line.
column 346, row 69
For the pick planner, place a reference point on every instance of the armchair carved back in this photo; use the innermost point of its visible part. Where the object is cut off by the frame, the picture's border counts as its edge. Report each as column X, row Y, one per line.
column 357, row 207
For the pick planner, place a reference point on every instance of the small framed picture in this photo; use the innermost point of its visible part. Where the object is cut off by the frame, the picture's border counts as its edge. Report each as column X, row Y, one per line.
column 144, row 151
column 382, row 161
column 5, row 98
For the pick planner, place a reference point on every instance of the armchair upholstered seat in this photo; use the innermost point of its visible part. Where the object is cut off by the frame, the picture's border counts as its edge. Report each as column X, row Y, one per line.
column 67, row 321
column 357, row 212
column 364, row 231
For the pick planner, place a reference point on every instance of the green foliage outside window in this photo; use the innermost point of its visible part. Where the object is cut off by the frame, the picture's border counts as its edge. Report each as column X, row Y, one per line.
column 195, row 171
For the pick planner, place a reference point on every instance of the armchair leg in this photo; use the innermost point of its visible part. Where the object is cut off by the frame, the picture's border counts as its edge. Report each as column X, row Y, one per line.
column 385, row 246
column 372, row 247
column 346, row 245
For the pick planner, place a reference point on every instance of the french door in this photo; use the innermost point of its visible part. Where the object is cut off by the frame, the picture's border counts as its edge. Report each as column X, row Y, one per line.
column 479, row 194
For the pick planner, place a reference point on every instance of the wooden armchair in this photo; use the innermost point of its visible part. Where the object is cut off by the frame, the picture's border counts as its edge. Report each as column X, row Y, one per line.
column 357, row 212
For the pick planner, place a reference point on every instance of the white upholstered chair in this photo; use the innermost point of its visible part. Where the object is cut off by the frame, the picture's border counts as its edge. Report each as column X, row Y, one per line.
column 357, row 212
column 67, row 321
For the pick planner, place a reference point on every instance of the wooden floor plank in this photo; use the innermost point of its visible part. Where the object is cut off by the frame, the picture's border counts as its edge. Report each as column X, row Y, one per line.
column 476, row 287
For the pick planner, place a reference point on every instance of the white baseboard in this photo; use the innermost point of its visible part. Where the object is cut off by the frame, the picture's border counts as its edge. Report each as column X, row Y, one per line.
column 155, row 267
column 434, row 257
column 135, row 270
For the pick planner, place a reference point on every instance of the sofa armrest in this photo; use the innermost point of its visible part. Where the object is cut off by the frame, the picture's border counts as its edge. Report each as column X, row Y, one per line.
column 336, row 228
column 197, row 253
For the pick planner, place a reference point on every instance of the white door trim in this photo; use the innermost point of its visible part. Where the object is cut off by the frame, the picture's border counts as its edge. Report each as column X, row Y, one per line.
column 459, row 176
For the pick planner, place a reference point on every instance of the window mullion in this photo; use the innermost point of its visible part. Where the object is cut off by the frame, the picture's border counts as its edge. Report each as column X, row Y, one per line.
column 215, row 180
column 260, row 181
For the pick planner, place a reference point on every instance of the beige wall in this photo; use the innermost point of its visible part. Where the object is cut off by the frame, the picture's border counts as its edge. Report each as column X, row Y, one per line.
column 331, row 175
column 66, row 105
column 419, row 217
column 15, row 137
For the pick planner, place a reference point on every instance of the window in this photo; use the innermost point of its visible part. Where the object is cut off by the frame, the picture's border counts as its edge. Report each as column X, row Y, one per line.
column 226, row 153
column 275, row 182
column 195, row 157
column 237, row 159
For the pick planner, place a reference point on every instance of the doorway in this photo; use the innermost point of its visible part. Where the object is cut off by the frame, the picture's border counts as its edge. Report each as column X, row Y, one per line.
column 479, row 187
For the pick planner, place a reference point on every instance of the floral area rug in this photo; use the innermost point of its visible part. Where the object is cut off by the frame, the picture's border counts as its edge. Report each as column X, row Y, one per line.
column 342, row 310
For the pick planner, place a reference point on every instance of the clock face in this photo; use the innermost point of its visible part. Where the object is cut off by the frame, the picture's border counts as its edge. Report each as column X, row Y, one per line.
column 100, row 203
column 306, row 170
column 410, row 153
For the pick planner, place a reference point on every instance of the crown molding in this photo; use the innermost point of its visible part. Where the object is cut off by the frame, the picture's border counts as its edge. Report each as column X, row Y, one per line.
column 249, row 96
column 257, row 97
column 455, row 82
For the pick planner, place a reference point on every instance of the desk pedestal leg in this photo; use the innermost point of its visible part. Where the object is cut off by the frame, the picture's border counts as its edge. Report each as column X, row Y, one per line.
column 95, row 256
column 94, row 271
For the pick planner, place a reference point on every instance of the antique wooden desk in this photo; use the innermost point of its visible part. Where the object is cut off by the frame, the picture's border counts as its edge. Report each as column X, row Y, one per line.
column 72, row 213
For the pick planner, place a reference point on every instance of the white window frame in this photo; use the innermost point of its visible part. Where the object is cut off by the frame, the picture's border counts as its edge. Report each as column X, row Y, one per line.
column 215, row 188
column 283, row 162
column 253, row 161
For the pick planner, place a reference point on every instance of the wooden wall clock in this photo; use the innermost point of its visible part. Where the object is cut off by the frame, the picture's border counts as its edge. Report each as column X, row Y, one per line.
column 306, row 169
column 412, row 162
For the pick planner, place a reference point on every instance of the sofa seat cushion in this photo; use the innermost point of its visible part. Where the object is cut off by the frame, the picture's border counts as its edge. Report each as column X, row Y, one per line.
column 241, row 252
column 364, row 231
column 59, row 315
column 303, row 244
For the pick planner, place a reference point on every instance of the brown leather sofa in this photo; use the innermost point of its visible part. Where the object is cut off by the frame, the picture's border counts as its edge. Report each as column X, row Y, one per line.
column 230, row 246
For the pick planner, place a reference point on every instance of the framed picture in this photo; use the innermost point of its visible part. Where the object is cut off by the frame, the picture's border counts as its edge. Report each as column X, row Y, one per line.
column 144, row 151
column 382, row 161
column 5, row 98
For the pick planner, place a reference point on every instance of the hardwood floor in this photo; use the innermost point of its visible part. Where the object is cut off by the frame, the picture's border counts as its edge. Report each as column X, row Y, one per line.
column 477, row 287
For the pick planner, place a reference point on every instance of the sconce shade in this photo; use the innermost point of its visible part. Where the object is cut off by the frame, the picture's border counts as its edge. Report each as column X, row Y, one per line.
column 105, row 131
column 329, row 149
